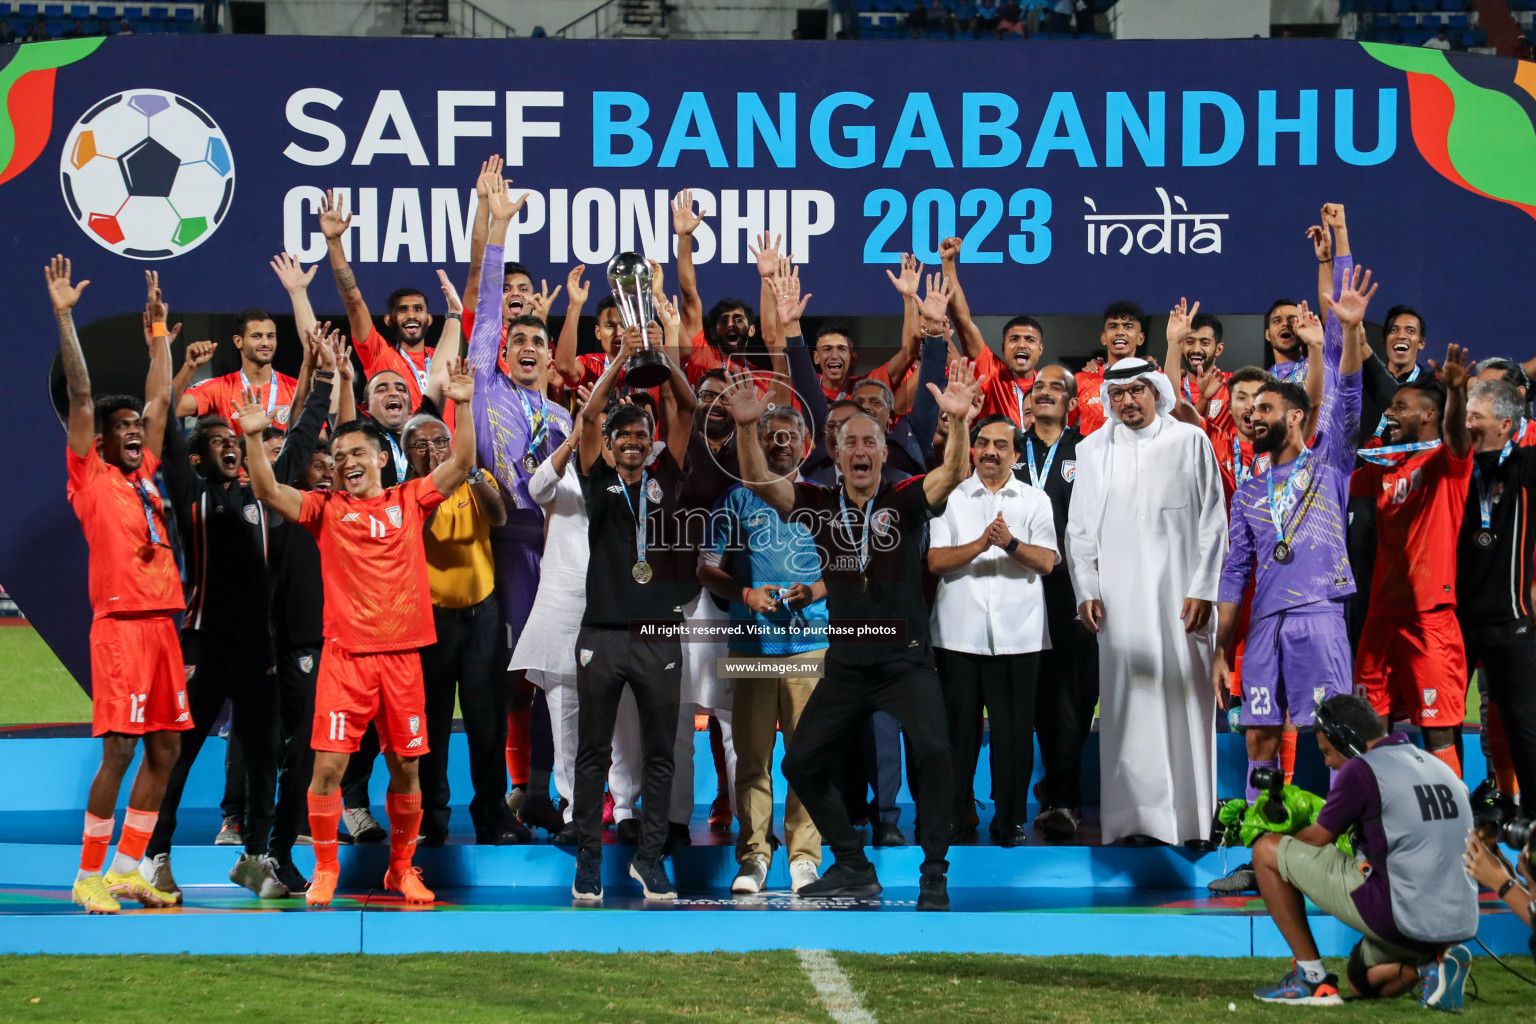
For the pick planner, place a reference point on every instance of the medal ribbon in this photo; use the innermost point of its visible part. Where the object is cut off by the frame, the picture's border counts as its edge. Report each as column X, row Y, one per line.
column 1485, row 501
column 245, row 382
column 401, row 466
column 863, row 540
column 1038, row 479
column 538, row 425
column 1382, row 456
column 1280, row 505
column 422, row 376
column 640, row 517
column 149, row 509
column 1242, row 472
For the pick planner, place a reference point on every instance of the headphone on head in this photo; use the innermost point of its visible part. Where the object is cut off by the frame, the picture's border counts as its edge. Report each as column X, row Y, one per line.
column 1343, row 738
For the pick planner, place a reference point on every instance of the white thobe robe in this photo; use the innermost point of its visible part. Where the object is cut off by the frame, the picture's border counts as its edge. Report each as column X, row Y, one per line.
column 1148, row 531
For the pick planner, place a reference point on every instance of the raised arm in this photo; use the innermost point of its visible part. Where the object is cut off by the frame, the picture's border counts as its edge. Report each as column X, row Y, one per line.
column 485, row 336
column 304, row 429
column 954, row 402
column 576, row 292
column 924, row 419
column 1310, row 330
column 334, row 224
column 971, row 341
column 157, row 385
column 295, row 280
column 284, row 500
column 746, row 409
column 911, row 321
column 684, row 223
column 343, row 398
column 1453, row 374
column 490, row 170
column 460, row 389
column 678, row 403
column 1180, row 323
column 768, row 258
column 450, row 344
column 197, row 353
column 82, row 409
column 590, row 423
column 1349, row 310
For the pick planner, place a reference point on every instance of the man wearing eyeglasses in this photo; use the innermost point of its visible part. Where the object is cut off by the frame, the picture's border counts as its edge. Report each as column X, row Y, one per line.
column 469, row 658
column 1146, row 535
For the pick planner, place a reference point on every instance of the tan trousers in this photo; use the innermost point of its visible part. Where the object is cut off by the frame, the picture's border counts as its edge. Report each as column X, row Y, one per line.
column 757, row 706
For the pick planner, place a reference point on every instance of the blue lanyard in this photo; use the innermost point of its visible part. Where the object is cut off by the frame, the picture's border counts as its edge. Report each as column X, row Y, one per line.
column 401, row 466
column 538, row 426
column 1380, row 456
column 1485, row 500
column 1382, row 426
column 149, row 509
column 863, row 541
column 422, row 376
column 640, row 517
column 1243, row 473
column 1279, row 506
column 245, row 382
column 1039, row 479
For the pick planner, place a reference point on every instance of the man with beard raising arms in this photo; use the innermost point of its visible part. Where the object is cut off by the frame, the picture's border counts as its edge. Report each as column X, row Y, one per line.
column 1412, row 662
column 871, row 557
column 137, row 686
column 719, row 338
column 1287, row 534
column 377, row 616
column 1008, row 379
column 406, row 353
column 1123, row 333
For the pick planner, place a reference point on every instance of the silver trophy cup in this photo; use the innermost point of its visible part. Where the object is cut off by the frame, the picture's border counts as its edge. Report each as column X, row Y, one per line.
column 629, row 275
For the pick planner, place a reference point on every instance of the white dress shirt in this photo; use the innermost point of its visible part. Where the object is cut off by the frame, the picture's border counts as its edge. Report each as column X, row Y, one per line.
column 992, row 604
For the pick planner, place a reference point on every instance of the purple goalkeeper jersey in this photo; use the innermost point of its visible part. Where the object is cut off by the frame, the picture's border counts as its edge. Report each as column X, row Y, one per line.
column 1318, row 569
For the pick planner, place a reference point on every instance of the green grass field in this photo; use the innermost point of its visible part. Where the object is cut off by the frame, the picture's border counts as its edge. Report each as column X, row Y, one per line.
column 725, row 987
column 34, row 685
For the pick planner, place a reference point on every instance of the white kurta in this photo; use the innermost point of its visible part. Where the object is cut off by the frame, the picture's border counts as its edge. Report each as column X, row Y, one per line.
column 1157, row 535
column 547, row 647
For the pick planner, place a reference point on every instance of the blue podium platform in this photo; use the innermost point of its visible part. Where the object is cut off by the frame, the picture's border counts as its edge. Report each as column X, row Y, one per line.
column 1040, row 899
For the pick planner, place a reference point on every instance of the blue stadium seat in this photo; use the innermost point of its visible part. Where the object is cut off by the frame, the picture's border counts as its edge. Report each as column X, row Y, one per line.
column 5, row 10
column 106, row 12
column 1426, row 5
column 28, row 11
column 79, row 11
column 158, row 13
column 1456, row 21
column 1430, row 21
column 1401, row 6
column 1416, row 36
column 54, row 10
column 1407, row 22
column 185, row 15
column 1389, row 35
column 1476, row 37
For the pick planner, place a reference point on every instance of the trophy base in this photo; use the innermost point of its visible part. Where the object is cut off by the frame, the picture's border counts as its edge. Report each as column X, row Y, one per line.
column 647, row 369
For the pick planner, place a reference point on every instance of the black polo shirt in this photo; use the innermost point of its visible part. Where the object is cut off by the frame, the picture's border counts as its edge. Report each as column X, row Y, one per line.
column 1493, row 584
column 710, row 474
column 889, row 590
column 1060, row 601
column 614, row 598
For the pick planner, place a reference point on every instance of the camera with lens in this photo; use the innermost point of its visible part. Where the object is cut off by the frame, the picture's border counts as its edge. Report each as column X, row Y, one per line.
column 1270, row 782
column 1497, row 818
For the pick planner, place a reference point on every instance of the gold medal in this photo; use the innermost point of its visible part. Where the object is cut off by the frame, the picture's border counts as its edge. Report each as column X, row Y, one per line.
column 530, row 463
column 642, row 572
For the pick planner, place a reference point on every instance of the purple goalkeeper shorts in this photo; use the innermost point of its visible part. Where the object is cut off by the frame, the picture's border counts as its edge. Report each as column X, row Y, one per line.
column 516, row 553
column 1294, row 661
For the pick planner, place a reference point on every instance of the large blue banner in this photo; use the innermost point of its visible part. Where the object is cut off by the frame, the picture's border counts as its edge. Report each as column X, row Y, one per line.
column 1076, row 173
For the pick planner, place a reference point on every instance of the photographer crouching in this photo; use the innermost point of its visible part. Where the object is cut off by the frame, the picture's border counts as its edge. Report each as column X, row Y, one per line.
column 1404, row 889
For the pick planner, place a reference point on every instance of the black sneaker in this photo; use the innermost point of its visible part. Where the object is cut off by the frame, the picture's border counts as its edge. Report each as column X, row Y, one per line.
column 933, row 893
column 653, row 879
column 627, row 832
column 888, row 834
column 588, row 886
column 844, row 880
column 1243, row 879
column 566, row 836
column 289, row 875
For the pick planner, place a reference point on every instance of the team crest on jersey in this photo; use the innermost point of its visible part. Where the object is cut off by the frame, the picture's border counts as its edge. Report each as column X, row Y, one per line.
column 189, row 670
column 1429, row 697
column 282, row 414
column 1261, row 465
column 883, row 522
column 1303, row 478
column 250, row 514
column 306, row 663
column 653, row 491
column 1317, row 694
column 586, row 658
column 1069, row 470
column 393, row 512
column 414, row 722
column 181, row 700
column 1215, row 407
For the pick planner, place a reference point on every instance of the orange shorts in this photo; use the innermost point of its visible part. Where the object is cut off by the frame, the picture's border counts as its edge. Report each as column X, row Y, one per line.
column 352, row 690
column 138, row 684
column 1414, row 667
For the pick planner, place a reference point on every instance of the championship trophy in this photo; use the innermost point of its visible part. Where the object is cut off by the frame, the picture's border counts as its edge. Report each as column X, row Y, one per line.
column 629, row 275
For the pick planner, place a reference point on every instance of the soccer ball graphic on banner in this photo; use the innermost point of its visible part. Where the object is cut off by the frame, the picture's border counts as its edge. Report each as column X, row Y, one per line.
column 147, row 174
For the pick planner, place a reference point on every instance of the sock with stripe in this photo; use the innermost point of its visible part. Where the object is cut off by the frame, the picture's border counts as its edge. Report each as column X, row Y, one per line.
column 404, row 811
column 324, row 815
column 138, row 826
column 1448, row 755
column 1288, row 754
column 93, row 844
column 517, row 747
